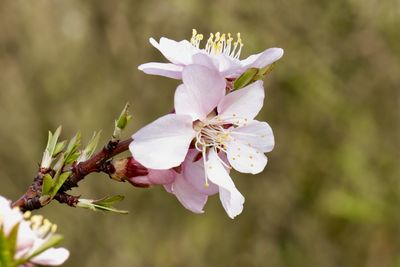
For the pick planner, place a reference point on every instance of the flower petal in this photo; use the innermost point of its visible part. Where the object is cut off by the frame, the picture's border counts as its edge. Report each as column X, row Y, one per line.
column 224, row 64
column 242, row 105
column 194, row 173
column 161, row 176
column 245, row 158
column 163, row 144
column 200, row 93
column 188, row 195
column 232, row 200
column 163, row 69
column 52, row 257
column 176, row 52
column 262, row 59
column 26, row 236
column 139, row 181
column 258, row 134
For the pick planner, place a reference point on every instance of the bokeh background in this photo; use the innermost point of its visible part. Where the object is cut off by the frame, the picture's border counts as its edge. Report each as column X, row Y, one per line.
column 330, row 195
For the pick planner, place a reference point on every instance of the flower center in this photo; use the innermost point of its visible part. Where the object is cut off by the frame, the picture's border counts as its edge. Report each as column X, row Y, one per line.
column 219, row 44
column 211, row 135
column 41, row 226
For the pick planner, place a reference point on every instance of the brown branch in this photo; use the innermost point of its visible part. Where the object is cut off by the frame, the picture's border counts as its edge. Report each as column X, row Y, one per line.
column 100, row 162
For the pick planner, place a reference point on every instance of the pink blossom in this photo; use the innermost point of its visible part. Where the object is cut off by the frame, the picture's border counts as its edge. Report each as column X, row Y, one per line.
column 32, row 234
column 213, row 122
column 221, row 53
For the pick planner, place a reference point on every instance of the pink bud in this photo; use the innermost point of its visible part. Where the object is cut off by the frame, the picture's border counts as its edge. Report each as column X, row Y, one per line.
column 127, row 169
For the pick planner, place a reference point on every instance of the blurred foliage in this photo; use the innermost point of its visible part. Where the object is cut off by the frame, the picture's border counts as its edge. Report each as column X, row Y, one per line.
column 331, row 192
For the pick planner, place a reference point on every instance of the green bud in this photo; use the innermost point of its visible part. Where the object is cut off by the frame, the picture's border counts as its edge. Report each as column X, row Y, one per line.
column 121, row 123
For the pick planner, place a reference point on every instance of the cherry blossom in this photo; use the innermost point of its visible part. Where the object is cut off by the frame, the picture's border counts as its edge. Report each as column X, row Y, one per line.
column 213, row 122
column 33, row 233
column 221, row 53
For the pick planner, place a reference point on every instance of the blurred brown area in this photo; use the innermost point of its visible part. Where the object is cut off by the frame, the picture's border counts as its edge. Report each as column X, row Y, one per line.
column 330, row 195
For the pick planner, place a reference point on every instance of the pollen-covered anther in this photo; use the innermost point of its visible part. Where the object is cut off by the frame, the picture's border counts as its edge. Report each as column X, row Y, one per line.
column 27, row 214
column 219, row 44
column 196, row 38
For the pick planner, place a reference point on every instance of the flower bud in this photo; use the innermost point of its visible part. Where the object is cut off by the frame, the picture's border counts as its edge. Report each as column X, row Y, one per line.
column 128, row 169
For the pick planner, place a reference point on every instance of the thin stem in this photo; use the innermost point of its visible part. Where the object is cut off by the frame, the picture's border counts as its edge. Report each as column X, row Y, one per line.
column 97, row 163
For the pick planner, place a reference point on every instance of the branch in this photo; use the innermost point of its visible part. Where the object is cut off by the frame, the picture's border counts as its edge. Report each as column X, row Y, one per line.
column 100, row 162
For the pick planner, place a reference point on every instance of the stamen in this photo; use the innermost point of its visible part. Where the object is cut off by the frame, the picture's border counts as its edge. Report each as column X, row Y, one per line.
column 43, row 227
column 219, row 44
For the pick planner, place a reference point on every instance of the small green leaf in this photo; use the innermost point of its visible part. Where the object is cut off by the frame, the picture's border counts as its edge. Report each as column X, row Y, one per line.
column 109, row 209
column 245, row 79
column 104, row 204
column 72, row 153
column 58, row 182
column 109, row 201
column 59, row 147
column 90, row 148
column 48, row 183
column 60, row 163
column 121, row 123
column 266, row 70
column 123, row 119
column 50, row 148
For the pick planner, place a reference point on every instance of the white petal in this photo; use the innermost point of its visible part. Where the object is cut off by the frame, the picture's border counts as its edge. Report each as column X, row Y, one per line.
column 200, row 93
column 262, row 59
column 244, row 158
column 52, row 257
column 194, row 173
column 227, row 65
column 188, row 195
column 205, row 60
column 177, row 52
column 232, row 200
column 222, row 63
column 26, row 236
column 258, row 134
column 163, row 144
column 163, row 69
column 242, row 105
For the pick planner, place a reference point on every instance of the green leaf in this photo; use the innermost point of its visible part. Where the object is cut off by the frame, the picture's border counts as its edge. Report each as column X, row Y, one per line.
column 109, row 201
column 60, row 164
column 59, row 147
column 123, row 119
column 121, row 123
column 72, row 153
column 109, row 209
column 90, row 148
column 104, row 204
column 50, row 148
column 51, row 242
column 48, row 183
column 58, row 182
column 245, row 79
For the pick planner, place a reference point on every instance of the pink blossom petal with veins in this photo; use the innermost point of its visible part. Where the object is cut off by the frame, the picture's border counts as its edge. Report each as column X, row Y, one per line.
column 242, row 105
column 163, row 144
column 200, row 93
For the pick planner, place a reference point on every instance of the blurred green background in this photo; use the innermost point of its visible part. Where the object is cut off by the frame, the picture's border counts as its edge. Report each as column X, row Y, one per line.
column 330, row 194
